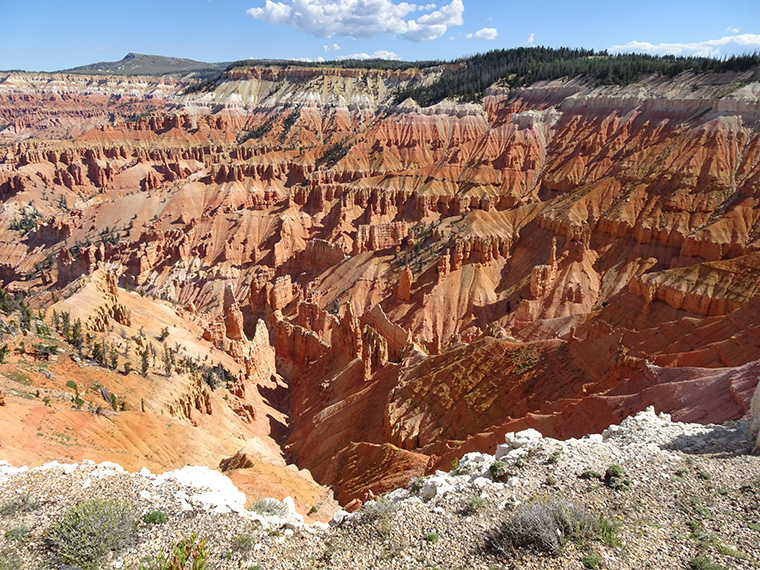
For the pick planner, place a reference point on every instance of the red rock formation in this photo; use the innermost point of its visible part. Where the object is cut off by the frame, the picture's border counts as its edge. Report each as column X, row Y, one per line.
column 404, row 287
column 397, row 339
column 574, row 251
column 196, row 399
column 379, row 237
column 233, row 317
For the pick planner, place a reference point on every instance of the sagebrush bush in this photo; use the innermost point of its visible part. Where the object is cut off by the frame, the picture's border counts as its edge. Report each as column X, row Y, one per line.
column 242, row 543
column 378, row 509
column 381, row 512
column 474, row 503
column 88, row 531
column 269, row 507
column 544, row 524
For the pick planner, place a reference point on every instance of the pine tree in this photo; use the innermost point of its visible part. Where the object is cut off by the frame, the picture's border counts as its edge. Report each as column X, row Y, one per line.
column 144, row 362
column 168, row 361
column 77, row 340
column 66, row 326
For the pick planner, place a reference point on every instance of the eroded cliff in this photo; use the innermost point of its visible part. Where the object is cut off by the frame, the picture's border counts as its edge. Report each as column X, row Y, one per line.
column 395, row 285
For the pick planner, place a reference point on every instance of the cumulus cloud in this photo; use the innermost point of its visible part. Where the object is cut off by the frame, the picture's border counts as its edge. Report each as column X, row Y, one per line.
column 308, row 59
column 529, row 42
column 483, row 34
column 708, row 48
column 362, row 18
column 333, row 47
column 379, row 54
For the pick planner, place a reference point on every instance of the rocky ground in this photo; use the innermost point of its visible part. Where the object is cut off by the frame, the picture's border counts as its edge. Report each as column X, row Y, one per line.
column 688, row 496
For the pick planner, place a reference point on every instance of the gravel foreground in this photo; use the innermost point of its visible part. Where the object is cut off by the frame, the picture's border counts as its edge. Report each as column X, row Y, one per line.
column 688, row 497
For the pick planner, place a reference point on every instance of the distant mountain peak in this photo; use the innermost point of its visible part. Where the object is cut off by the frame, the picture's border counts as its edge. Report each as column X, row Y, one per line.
column 145, row 64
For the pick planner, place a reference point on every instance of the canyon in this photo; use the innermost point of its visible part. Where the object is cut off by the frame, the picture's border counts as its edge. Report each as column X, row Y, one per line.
column 386, row 286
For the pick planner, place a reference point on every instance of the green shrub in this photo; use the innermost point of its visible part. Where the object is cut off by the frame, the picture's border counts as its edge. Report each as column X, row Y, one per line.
column 155, row 517
column 551, row 480
column 615, row 478
column 431, row 537
column 589, row 474
column 474, row 503
column 378, row 509
column 88, row 531
column 18, row 534
column 498, row 469
column 381, row 512
column 702, row 562
column 544, row 524
column 591, row 560
column 554, row 457
column 418, row 484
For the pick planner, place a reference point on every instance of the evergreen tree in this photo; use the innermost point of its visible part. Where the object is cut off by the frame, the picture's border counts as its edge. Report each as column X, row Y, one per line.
column 144, row 362
column 168, row 358
column 77, row 340
column 66, row 326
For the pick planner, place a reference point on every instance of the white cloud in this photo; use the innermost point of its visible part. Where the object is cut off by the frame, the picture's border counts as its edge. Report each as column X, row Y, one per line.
column 379, row 54
column 529, row 42
column 709, row 48
column 732, row 30
column 334, row 47
column 308, row 59
column 483, row 34
column 361, row 18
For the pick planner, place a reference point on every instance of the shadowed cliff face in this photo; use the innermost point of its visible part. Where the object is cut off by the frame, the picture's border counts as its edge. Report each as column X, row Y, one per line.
column 557, row 257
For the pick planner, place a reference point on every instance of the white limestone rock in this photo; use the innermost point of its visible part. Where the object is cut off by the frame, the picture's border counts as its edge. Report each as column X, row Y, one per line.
column 475, row 464
column 435, row 487
column 512, row 441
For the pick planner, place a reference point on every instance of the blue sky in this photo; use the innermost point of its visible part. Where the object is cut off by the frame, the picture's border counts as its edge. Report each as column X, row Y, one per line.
column 56, row 34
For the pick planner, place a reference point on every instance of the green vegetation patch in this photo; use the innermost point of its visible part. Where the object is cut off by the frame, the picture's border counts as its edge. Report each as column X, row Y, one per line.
column 88, row 531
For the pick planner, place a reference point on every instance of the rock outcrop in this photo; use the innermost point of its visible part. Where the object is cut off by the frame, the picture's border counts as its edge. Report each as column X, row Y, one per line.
column 754, row 411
